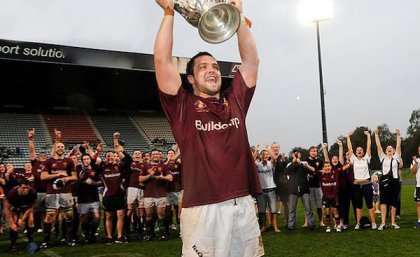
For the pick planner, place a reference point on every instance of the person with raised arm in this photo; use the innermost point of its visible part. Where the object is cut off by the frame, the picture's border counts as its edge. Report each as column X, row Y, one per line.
column 389, row 183
column 362, row 186
column 209, row 127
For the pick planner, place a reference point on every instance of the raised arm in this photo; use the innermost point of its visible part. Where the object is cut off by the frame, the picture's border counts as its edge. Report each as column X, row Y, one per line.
column 31, row 136
column 247, row 50
column 349, row 145
column 368, row 143
column 255, row 152
column 325, row 152
column 340, row 152
column 167, row 76
column 378, row 142
column 398, row 146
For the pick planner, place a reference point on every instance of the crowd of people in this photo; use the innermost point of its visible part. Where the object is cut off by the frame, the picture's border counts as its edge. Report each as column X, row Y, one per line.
column 330, row 185
column 139, row 193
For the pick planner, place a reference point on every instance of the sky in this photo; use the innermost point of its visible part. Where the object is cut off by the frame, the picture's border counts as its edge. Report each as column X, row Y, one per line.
column 370, row 54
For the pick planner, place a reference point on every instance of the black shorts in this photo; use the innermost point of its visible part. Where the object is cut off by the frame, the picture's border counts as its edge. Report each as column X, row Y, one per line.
column 389, row 193
column 417, row 194
column 113, row 203
column 329, row 203
column 363, row 191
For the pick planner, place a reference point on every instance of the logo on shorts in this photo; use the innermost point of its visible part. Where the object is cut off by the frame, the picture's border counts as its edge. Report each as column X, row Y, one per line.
column 197, row 251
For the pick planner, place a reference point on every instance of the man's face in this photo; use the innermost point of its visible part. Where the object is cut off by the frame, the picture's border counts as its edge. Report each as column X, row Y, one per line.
column 313, row 152
column 109, row 157
column 2, row 168
column 59, row 149
column 275, row 148
column 28, row 167
column 137, row 155
column 146, row 157
column 116, row 158
column 206, row 80
column 42, row 157
column 24, row 189
column 86, row 160
column 297, row 154
column 74, row 159
column 155, row 156
column 170, row 154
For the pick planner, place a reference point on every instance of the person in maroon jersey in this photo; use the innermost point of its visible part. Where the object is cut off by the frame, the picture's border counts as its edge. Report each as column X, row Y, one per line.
column 18, row 209
column 39, row 185
column 155, row 177
column 88, row 197
column 173, row 188
column 146, row 157
column 209, row 127
column 58, row 173
column 135, row 194
column 329, row 179
column 111, row 174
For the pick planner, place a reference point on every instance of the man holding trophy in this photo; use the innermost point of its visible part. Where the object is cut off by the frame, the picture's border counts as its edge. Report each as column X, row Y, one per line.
column 219, row 176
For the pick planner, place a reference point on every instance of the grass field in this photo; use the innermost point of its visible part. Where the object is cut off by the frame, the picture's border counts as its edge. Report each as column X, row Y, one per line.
column 390, row 242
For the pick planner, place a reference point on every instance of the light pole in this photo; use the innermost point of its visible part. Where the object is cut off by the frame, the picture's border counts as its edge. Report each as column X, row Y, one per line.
column 321, row 85
column 317, row 11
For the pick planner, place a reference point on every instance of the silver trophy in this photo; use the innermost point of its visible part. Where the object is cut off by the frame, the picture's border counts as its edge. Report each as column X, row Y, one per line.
column 216, row 20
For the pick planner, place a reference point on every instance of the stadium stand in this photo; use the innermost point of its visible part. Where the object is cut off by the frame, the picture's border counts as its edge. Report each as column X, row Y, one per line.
column 75, row 128
column 156, row 128
column 131, row 137
column 14, row 139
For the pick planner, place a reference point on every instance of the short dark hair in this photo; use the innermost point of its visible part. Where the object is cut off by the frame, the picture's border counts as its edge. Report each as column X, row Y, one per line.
column 23, row 181
column 190, row 64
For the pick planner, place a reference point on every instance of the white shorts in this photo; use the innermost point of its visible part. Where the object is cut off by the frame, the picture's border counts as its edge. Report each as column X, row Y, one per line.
column 56, row 201
column 160, row 202
column 135, row 194
column 229, row 228
column 85, row 208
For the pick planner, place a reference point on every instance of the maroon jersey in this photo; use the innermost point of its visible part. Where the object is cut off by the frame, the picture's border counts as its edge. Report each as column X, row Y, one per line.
column 154, row 187
column 329, row 184
column 174, row 168
column 112, row 177
column 37, row 168
column 136, row 168
column 54, row 166
column 86, row 193
column 212, row 136
column 18, row 201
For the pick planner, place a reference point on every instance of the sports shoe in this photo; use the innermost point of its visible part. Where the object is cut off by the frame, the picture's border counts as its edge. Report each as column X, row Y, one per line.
column 417, row 225
column 395, row 226
column 357, row 227
column 72, row 243
column 374, row 226
column 172, row 227
column 39, row 230
column 344, row 226
column 322, row 224
column 44, row 245
column 120, row 240
column 381, row 227
column 338, row 228
column 328, row 230
column 32, row 248
column 108, row 241
column 378, row 212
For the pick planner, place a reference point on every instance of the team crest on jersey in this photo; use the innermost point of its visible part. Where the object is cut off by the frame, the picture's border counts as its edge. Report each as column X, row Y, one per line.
column 225, row 102
column 317, row 163
column 200, row 106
